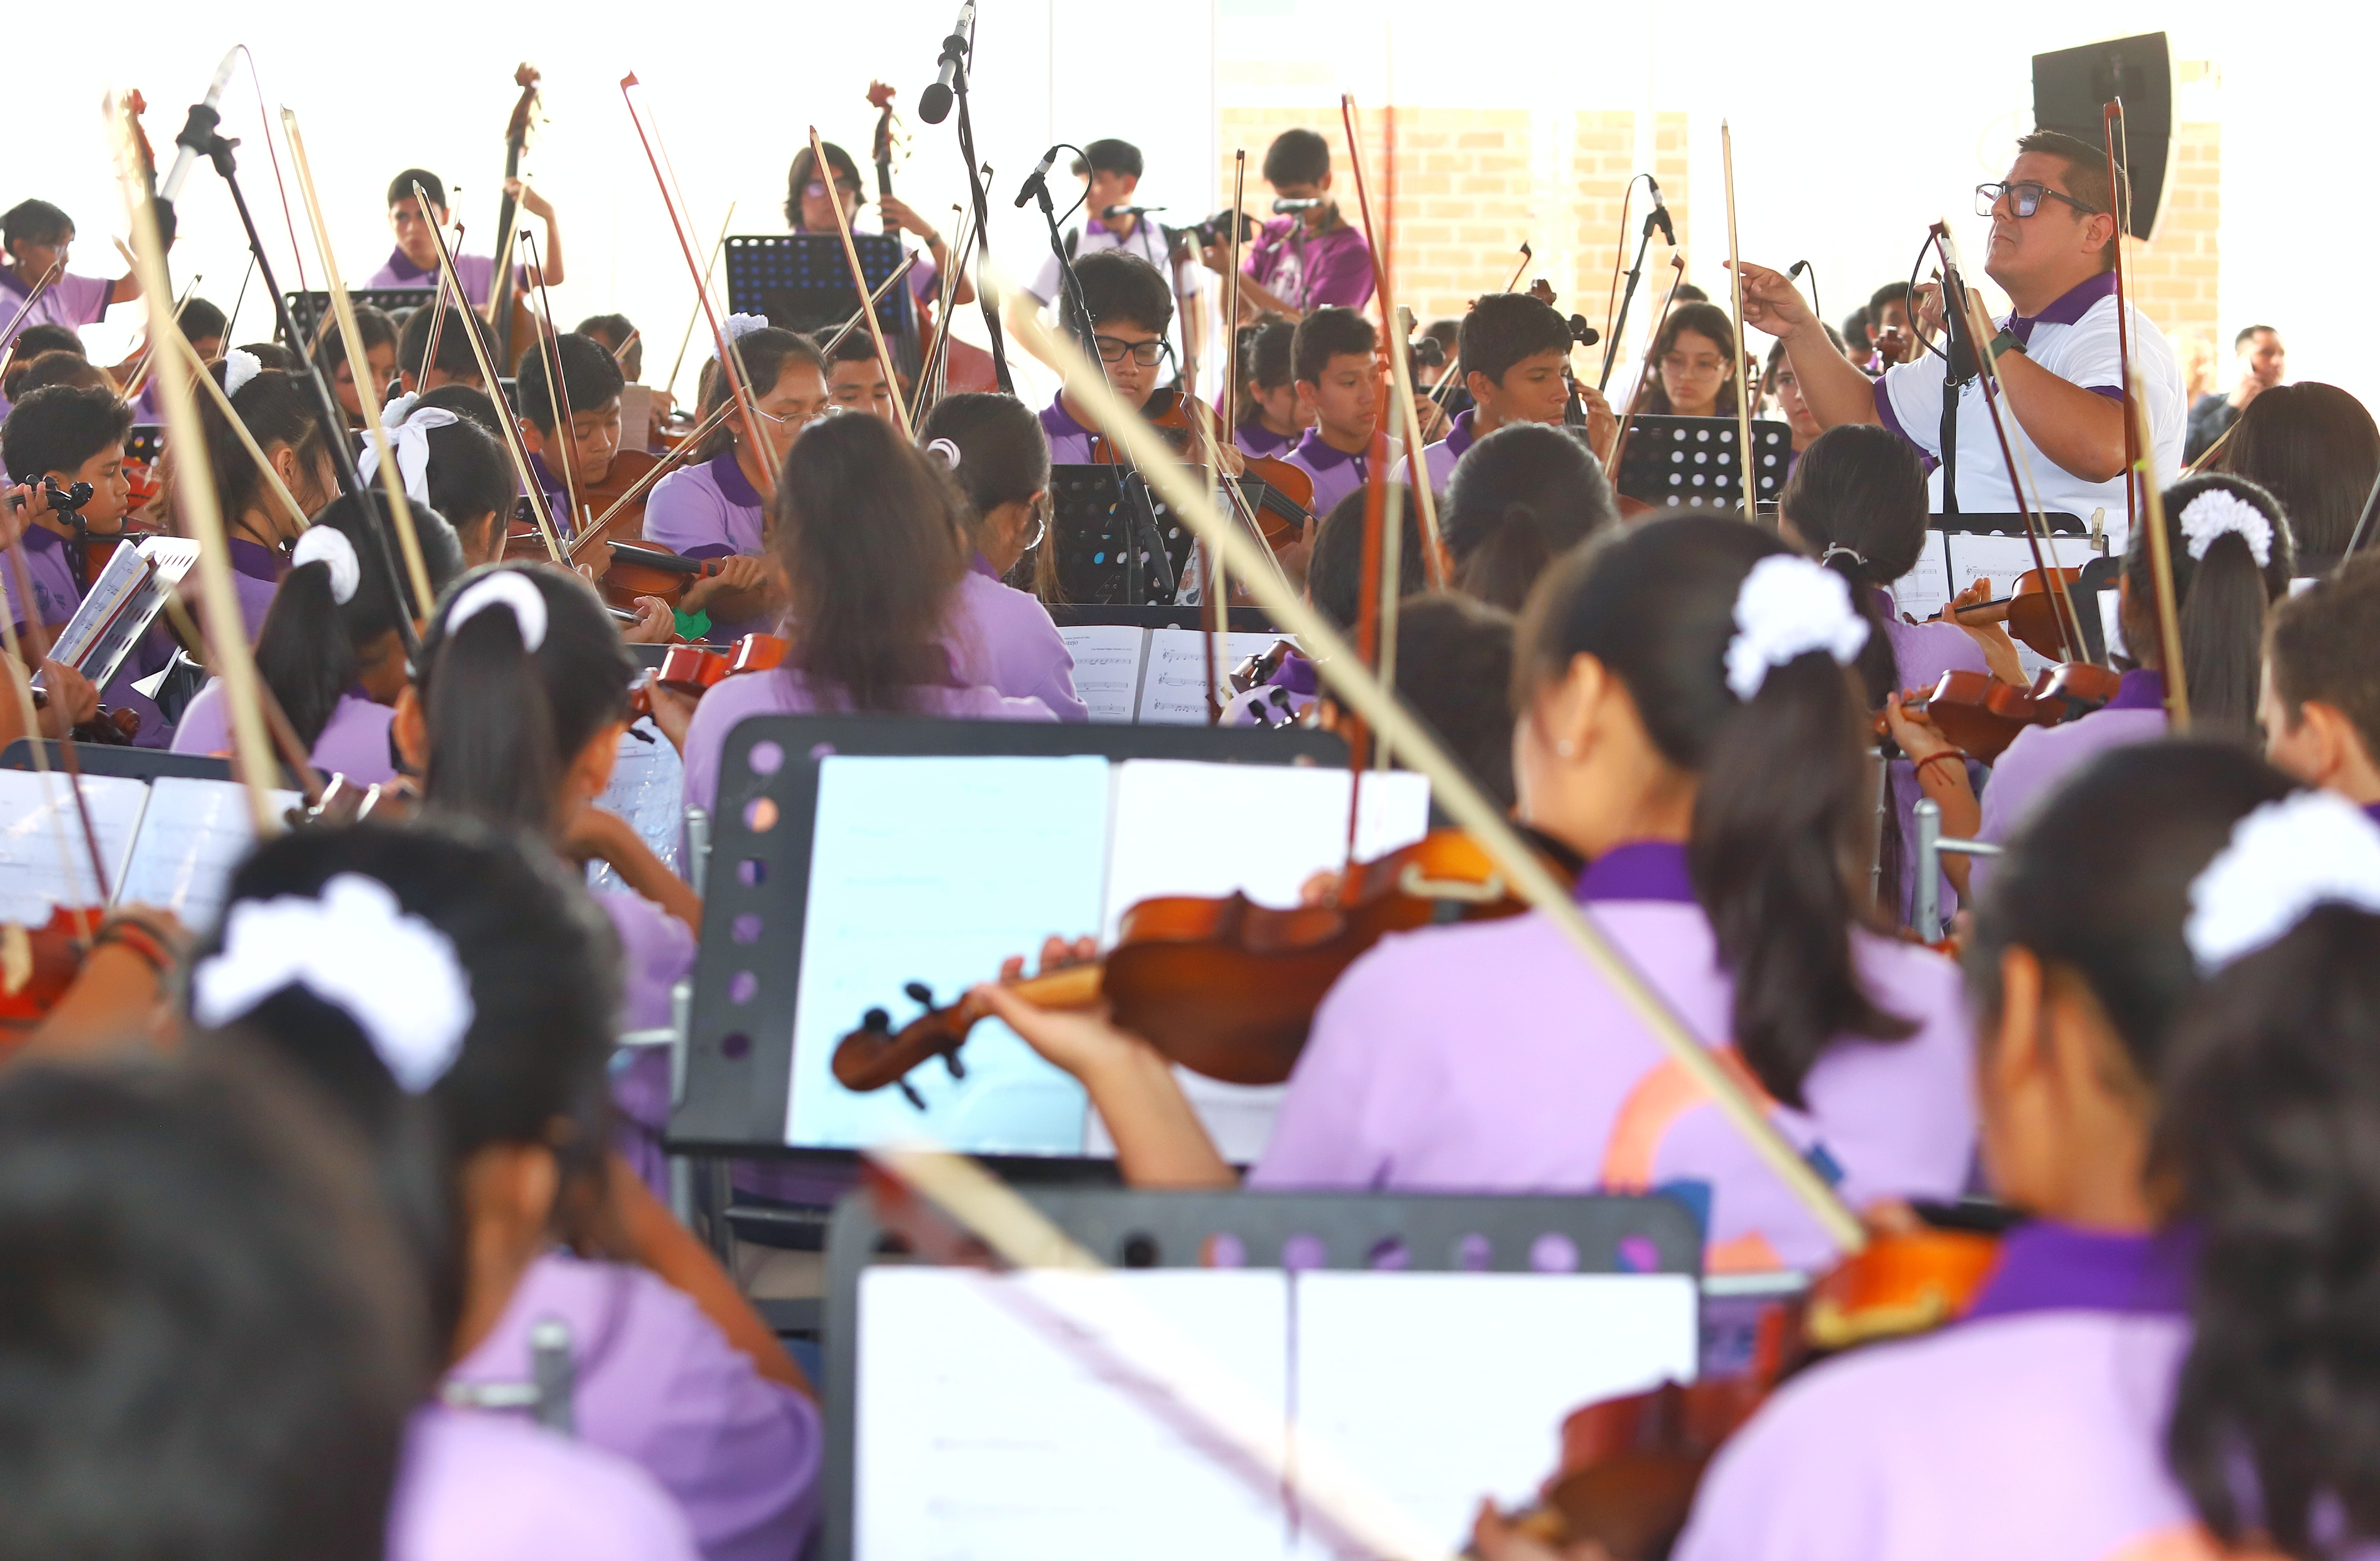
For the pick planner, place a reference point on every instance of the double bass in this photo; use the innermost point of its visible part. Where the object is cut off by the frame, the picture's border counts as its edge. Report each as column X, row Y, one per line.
column 968, row 367
column 507, row 312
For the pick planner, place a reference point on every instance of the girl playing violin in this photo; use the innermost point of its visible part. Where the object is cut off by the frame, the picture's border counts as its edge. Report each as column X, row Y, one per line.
column 1686, row 725
column 1271, row 415
column 2174, row 1077
column 379, row 333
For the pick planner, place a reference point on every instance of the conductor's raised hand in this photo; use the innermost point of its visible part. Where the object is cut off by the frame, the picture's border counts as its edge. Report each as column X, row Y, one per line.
column 1771, row 302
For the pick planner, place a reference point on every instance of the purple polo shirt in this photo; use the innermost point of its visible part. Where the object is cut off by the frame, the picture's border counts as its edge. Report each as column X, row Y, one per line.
column 1310, row 270
column 256, row 572
column 1922, row 652
column 1439, row 459
column 1004, row 639
column 557, row 495
column 707, row 511
column 473, row 272
column 1488, row 1057
column 2034, row 1427
column 658, row 1386
column 1335, row 473
column 656, row 951
column 1256, row 439
column 2043, row 756
column 479, row 1486
column 55, row 591
column 1280, row 700
column 72, row 301
column 353, row 742
column 1070, row 441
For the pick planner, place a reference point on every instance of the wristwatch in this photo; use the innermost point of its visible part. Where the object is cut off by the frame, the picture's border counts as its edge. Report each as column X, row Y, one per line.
column 2005, row 343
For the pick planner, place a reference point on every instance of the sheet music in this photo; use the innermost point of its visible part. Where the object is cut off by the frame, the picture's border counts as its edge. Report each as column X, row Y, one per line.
column 649, row 790
column 36, row 810
column 1921, row 591
column 1107, row 662
column 904, row 888
column 636, row 416
column 193, row 835
column 1170, row 688
column 121, row 604
column 2001, row 559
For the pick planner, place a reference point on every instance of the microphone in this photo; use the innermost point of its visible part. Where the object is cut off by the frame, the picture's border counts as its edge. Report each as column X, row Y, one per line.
column 1036, row 180
column 934, row 103
column 198, row 130
column 1130, row 211
column 1283, row 208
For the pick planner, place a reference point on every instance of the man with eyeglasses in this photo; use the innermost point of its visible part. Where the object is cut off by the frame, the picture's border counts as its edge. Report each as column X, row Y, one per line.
column 1130, row 306
column 1111, row 171
column 2053, row 250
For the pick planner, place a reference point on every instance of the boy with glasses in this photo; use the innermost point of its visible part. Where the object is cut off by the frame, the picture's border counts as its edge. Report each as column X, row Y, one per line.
column 1130, row 307
column 2053, row 250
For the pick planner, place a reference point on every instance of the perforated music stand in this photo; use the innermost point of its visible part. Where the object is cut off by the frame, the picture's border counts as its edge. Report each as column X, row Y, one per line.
column 1090, row 528
column 309, row 310
column 145, row 443
column 1688, row 465
column 802, row 281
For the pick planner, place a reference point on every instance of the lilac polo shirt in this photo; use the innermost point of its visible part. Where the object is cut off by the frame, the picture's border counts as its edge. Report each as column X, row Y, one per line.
column 1282, row 700
column 557, row 493
column 1256, row 439
column 1311, row 270
column 1004, row 639
column 658, row 1386
column 1922, row 652
column 708, row 510
column 2035, row 1428
column 476, row 1486
column 1335, row 473
column 473, row 272
column 656, row 951
column 256, row 572
column 1439, row 459
column 2042, row 756
column 1070, row 441
column 55, row 591
column 1487, row 1057
column 72, row 301
column 354, row 741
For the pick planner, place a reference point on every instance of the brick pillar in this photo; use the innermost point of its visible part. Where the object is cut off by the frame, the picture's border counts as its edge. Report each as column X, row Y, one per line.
column 2174, row 278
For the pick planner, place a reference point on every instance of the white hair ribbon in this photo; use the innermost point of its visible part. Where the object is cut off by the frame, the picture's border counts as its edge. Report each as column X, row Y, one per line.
column 738, row 326
column 410, row 440
column 241, row 366
column 1787, row 607
column 329, row 546
column 396, row 411
column 510, row 590
column 2215, row 512
column 2314, row 848
column 1838, row 550
column 355, row 948
column 946, row 448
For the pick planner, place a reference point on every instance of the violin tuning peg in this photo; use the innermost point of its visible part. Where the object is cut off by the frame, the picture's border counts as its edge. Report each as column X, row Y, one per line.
column 876, row 1022
column 958, row 1069
column 920, row 993
column 909, row 1091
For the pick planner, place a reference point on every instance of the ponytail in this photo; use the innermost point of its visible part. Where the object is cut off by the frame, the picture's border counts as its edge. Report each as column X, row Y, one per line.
column 2224, row 595
column 303, row 652
column 1522, row 497
column 276, row 410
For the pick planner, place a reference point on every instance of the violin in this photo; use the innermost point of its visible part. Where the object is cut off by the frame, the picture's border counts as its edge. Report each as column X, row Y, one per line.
column 628, row 469
column 37, row 964
column 1982, row 716
column 640, row 570
column 695, row 670
column 1281, row 498
column 2030, row 611
column 1223, row 986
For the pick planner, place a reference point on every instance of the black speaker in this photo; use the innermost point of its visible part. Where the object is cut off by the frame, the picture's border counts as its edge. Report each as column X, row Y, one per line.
column 2071, row 87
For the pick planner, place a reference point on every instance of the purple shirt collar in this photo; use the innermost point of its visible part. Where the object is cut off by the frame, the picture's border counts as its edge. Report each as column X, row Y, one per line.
column 404, row 270
column 982, row 565
column 1641, row 870
column 2068, row 306
column 40, row 538
column 1057, row 422
column 1259, row 440
column 2045, row 1266
column 1321, row 455
column 1459, row 438
column 253, row 559
column 2141, row 688
column 733, row 486
column 8, row 283
column 1294, row 674
column 2372, row 810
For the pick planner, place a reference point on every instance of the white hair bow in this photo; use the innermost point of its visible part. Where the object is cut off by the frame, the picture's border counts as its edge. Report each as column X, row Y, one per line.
column 1787, row 607
column 241, row 366
column 2215, row 512
column 510, row 590
column 410, row 440
column 2311, row 849
column 738, row 326
column 355, row 948
column 329, row 546
column 946, row 448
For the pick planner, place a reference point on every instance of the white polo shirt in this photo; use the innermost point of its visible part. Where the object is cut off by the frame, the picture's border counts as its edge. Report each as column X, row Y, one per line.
column 2075, row 339
column 1145, row 240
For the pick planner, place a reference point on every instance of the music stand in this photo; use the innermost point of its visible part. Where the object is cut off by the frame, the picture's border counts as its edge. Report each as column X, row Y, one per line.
column 145, row 443
column 1688, row 465
column 308, row 312
column 802, row 281
column 1089, row 531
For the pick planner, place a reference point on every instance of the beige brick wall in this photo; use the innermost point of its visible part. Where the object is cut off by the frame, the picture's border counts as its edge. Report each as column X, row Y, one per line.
column 2174, row 278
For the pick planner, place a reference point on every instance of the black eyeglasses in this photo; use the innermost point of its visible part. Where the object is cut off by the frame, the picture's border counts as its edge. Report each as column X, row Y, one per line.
column 1147, row 354
column 2025, row 198
column 816, row 189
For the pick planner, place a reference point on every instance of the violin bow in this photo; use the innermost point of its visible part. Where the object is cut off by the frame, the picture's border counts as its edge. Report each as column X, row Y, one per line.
column 194, row 494
column 907, row 261
column 1453, row 789
column 509, row 423
column 2177, row 685
column 687, row 339
column 2111, row 125
column 1232, row 290
column 1745, row 469
column 437, row 308
column 620, row 353
column 550, row 347
column 57, row 269
column 659, row 469
column 360, row 369
column 859, row 290
column 20, row 683
column 1432, row 555
column 280, row 489
column 138, row 377
column 730, row 362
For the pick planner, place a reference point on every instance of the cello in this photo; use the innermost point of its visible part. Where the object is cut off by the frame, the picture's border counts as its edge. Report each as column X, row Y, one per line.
column 965, row 366
column 505, row 309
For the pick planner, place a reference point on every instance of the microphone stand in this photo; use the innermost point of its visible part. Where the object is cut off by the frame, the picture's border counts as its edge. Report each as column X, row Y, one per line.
column 1653, row 219
column 982, row 226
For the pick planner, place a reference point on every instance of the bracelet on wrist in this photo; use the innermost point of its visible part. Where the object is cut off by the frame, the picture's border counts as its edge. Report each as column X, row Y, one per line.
column 139, row 939
column 1959, row 754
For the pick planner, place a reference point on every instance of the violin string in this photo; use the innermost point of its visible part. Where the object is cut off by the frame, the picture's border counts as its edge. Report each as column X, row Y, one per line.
column 557, row 401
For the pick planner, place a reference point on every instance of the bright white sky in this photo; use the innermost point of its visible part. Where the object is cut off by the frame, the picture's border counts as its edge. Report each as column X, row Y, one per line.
column 1854, row 123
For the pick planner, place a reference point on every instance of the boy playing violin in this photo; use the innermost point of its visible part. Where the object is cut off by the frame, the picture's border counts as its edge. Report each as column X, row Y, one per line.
column 1514, row 358
column 1338, row 378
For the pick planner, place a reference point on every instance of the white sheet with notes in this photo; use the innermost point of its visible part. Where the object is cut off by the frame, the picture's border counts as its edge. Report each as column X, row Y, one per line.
column 1154, row 677
column 647, row 789
column 171, row 843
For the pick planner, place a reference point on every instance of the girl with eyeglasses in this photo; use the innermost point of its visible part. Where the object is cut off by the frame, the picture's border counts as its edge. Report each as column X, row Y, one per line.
column 809, row 208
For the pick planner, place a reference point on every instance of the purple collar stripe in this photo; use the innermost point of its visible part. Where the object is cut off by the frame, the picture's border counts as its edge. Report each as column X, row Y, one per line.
column 2372, row 810
column 1459, row 438
column 2048, row 1267
column 982, row 565
column 1321, row 455
column 40, row 538
column 2141, row 688
column 1643, row 869
column 401, row 266
column 2071, row 306
column 733, row 486
column 1056, row 421
column 253, row 559
column 8, row 283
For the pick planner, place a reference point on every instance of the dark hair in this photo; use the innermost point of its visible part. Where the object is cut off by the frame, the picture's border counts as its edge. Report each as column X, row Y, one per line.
column 1334, row 572
column 210, row 1341
column 1504, row 328
column 1857, row 497
column 400, row 189
column 2222, row 597
column 870, row 532
column 1452, row 654
column 1520, row 498
column 34, row 222
column 58, row 428
column 1687, row 292
column 470, row 474
column 455, row 357
column 2319, row 644
column 542, row 968
column 764, row 354
column 30, row 375
column 277, row 410
column 2313, row 448
column 1786, row 802
column 1124, row 287
column 504, row 722
column 271, row 355
column 590, row 380
column 1330, row 332
column 199, row 320
column 34, row 340
column 2247, row 331
column 857, row 347
column 613, row 330
column 1890, row 292
column 1108, row 155
column 1267, row 362
column 803, row 171
column 377, row 330
column 472, row 405
column 1856, row 326
column 2267, row 1134
column 310, row 649
column 1705, row 320
column 1296, row 157
column 2086, row 177
column 2097, row 880
column 1003, row 454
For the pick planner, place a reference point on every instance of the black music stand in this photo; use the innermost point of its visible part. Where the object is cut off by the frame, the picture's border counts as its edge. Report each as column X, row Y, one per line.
column 309, row 310
column 802, row 281
column 1689, row 464
column 1090, row 528
column 146, row 443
